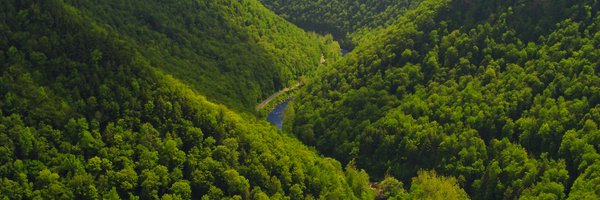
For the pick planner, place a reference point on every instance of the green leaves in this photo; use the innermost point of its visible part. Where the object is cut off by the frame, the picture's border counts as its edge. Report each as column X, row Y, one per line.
column 236, row 184
column 235, row 52
column 346, row 20
column 182, row 189
column 428, row 185
column 85, row 115
column 585, row 186
column 498, row 94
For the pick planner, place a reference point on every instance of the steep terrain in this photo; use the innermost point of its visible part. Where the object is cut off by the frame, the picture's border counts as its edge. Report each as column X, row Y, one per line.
column 445, row 100
column 347, row 20
column 85, row 114
column 234, row 52
column 502, row 95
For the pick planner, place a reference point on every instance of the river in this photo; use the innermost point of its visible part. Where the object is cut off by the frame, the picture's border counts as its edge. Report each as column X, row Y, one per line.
column 276, row 116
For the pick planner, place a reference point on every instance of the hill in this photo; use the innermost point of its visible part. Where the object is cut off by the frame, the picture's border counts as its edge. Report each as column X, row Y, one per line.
column 502, row 95
column 85, row 114
column 347, row 20
column 235, row 52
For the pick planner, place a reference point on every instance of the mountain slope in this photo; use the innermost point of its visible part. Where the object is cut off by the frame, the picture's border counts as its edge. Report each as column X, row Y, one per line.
column 347, row 20
column 234, row 52
column 84, row 115
column 503, row 95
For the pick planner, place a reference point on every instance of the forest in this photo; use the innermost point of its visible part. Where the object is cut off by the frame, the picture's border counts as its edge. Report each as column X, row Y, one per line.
column 348, row 20
column 84, row 114
column 234, row 52
column 437, row 99
column 503, row 96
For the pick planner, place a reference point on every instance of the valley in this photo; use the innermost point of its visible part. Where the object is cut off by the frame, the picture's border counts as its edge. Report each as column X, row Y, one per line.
column 276, row 99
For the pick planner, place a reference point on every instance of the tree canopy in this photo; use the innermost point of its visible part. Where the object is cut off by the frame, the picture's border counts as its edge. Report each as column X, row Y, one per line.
column 87, row 113
column 349, row 21
column 501, row 95
column 234, row 52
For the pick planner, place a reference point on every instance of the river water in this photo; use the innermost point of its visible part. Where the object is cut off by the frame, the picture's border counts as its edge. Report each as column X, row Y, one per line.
column 276, row 116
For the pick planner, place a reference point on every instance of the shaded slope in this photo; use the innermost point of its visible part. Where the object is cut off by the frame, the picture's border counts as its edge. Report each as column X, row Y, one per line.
column 502, row 95
column 85, row 116
column 234, row 52
column 347, row 20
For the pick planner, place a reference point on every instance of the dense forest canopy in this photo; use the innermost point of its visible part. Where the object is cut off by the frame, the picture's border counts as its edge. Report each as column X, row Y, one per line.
column 347, row 20
column 502, row 95
column 85, row 115
column 440, row 99
column 234, row 52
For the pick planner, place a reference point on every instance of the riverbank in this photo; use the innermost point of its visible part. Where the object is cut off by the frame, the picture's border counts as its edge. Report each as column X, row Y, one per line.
column 264, row 103
column 265, row 107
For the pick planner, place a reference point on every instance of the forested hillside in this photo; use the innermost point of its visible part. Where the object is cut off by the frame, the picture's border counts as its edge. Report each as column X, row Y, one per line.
column 502, row 95
column 84, row 114
column 234, row 52
column 447, row 99
column 347, row 20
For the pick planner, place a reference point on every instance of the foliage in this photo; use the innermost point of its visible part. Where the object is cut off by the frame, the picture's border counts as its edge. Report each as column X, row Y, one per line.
column 347, row 20
column 391, row 187
column 85, row 115
column 234, row 52
column 502, row 95
column 427, row 185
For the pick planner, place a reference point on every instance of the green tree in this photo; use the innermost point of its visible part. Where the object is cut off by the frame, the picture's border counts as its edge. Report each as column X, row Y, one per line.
column 428, row 185
column 182, row 189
